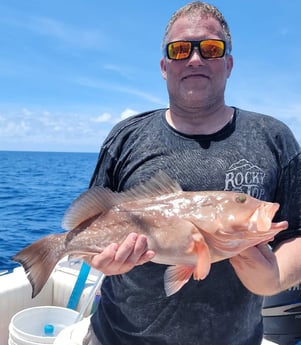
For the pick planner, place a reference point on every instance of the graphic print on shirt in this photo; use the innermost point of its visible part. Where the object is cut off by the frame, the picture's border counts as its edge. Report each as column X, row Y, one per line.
column 245, row 177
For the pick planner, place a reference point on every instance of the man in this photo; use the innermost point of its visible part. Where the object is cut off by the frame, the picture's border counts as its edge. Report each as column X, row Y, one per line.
column 204, row 145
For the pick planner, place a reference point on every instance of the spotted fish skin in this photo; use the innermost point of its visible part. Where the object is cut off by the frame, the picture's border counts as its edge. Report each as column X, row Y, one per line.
column 187, row 230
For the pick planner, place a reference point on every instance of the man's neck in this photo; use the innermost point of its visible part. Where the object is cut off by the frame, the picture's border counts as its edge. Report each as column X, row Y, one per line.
column 199, row 122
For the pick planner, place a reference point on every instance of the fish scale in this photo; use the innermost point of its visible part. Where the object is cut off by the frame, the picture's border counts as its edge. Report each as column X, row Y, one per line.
column 188, row 231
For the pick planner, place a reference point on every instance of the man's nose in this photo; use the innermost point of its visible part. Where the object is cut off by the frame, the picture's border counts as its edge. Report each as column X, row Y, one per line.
column 196, row 56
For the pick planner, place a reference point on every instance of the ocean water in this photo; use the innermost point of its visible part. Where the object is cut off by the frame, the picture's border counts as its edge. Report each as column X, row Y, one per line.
column 35, row 190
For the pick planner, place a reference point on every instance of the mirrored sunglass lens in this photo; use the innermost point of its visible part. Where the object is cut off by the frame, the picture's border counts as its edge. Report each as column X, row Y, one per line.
column 178, row 50
column 212, row 49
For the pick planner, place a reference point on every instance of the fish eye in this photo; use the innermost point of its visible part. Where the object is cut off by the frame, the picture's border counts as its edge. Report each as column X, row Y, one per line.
column 241, row 198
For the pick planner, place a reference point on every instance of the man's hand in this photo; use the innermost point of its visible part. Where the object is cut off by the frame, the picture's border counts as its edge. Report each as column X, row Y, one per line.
column 267, row 273
column 258, row 270
column 121, row 259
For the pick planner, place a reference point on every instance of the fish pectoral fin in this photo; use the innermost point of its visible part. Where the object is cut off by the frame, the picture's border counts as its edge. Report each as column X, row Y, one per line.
column 175, row 277
column 83, row 255
column 200, row 248
column 203, row 260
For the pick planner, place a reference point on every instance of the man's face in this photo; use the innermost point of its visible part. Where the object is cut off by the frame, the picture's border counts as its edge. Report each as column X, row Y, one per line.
column 196, row 82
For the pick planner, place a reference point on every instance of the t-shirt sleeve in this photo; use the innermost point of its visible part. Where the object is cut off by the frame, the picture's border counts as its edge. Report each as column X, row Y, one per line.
column 104, row 170
column 112, row 156
column 289, row 198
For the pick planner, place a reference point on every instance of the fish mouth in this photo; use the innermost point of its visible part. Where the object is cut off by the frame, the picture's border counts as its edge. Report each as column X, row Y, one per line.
column 263, row 216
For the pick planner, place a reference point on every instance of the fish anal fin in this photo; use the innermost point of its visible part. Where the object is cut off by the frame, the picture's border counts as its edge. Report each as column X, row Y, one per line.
column 175, row 277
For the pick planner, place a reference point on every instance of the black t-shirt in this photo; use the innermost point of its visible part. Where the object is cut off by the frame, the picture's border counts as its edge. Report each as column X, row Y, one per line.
column 255, row 154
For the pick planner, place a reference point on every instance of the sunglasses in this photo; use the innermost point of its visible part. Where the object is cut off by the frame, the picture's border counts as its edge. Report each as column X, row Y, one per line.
column 209, row 49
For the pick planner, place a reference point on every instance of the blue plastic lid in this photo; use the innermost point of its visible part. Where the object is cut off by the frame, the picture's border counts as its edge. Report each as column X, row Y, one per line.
column 48, row 329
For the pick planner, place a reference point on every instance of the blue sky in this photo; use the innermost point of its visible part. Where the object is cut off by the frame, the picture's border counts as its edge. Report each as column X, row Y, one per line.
column 71, row 69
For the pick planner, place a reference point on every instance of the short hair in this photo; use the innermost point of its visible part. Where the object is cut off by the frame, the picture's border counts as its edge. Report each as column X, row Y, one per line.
column 202, row 9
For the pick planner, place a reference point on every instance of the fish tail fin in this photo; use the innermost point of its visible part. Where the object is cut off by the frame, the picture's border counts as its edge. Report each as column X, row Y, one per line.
column 39, row 260
column 175, row 277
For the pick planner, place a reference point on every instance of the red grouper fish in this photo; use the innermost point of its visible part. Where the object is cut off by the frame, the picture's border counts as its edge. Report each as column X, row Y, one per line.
column 187, row 230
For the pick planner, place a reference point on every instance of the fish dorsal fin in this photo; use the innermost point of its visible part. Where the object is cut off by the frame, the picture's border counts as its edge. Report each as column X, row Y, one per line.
column 159, row 184
column 95, row 201
column 98, row 200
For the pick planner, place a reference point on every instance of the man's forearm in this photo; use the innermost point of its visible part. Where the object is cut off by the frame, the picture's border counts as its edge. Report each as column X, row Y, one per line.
column 289, row 262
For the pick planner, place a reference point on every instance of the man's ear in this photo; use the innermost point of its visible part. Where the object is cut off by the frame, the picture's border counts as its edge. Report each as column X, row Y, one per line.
column 229, row 65
column 163, row 67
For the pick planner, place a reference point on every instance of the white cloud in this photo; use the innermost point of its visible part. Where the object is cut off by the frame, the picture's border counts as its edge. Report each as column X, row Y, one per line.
column 26, row 111
column 127, row 113
column 34, row 129
column 105, row 117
